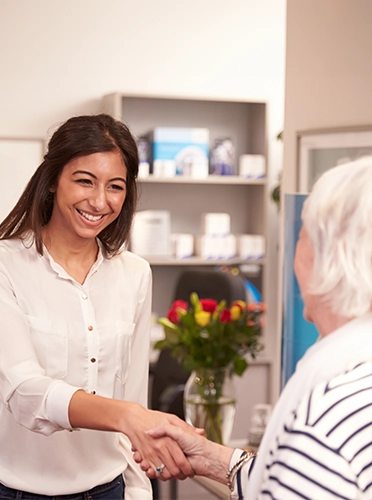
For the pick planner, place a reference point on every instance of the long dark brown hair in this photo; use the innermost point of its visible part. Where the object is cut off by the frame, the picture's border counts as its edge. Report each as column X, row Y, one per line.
column 78, row 136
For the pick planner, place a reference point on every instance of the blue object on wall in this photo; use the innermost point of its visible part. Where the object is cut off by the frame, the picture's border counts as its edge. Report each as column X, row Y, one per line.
column 253, row 294
column 297, row 333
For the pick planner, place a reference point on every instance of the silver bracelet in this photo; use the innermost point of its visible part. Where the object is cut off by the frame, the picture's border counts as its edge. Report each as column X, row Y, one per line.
column 231, row 474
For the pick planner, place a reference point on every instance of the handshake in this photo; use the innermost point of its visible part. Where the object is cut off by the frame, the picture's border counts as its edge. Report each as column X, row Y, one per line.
column 176, row 450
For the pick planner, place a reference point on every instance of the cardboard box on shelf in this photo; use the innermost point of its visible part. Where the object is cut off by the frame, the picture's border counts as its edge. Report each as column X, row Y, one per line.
column 187, row 149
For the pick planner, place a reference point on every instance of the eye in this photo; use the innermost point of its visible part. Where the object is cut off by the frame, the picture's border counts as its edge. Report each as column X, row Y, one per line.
column 84, row 181
column 117, row 187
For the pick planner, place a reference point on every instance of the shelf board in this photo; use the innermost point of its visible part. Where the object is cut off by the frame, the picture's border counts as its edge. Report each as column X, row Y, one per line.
column 198, row 261
column 212, row 179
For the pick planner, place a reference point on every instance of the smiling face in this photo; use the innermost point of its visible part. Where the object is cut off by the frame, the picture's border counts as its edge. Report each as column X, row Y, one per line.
column 89, row 196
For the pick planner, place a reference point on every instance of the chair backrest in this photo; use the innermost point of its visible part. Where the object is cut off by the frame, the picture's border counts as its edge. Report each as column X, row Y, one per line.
column 210, row 284
column 169, row 376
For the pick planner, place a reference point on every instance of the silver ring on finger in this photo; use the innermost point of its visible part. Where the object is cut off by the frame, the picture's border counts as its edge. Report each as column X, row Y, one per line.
column 159, row 469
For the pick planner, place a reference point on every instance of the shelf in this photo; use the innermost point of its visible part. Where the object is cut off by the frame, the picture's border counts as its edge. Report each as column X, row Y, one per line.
column 212, row 179
column 197, row 261
column 187, row 198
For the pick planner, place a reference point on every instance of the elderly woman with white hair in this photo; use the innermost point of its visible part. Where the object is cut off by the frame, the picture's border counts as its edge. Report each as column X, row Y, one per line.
column 318, row 444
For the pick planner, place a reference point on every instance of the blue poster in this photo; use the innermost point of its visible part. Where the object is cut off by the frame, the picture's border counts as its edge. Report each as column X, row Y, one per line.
column 297, row 333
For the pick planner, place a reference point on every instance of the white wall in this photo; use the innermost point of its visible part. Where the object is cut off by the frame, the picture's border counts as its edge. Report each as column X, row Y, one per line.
column 328, row 70
column 59, row 57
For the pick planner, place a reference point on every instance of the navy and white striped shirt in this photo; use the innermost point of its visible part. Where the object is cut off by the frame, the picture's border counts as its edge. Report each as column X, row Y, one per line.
column 324, row 452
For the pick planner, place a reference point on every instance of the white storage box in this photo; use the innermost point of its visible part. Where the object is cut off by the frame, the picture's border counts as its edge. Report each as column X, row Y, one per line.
column 227, row 246
column 252, row 166
column 182, row 245
column 164, row 168
column 216, row 247
column 206, row 246
column 251, row 246
column 151, row 233
column 215, row 224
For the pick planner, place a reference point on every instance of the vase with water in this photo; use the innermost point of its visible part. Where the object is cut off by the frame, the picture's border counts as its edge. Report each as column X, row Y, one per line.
column 210, row 402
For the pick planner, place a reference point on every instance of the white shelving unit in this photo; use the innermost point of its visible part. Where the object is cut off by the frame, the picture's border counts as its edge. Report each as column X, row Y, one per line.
column 187, row 198
column 245, row 200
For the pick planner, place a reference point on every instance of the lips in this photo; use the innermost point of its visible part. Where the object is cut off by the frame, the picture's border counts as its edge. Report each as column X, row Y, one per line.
column 91, row 218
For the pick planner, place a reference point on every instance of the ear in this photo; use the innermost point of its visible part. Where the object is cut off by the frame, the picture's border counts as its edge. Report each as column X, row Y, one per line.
column 52, row 189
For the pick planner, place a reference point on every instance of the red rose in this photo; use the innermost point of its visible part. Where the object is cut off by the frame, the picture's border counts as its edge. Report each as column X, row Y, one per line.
column 173, row 316
column 180, row 304
column 209, row 305
column 225, row 316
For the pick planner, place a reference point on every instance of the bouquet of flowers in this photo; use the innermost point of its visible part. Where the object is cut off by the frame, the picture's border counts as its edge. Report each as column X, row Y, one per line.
column 212, row 341
column 210, row 335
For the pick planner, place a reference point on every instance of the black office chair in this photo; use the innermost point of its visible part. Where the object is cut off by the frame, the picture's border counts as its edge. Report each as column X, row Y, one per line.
column 169, row 376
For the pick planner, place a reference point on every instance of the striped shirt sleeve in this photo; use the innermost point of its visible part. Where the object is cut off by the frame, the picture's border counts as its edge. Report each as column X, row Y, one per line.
column 324, row 452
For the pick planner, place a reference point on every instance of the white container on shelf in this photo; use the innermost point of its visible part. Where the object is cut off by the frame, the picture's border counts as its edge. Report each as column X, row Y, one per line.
column 151, row 233
column 206, row 246
column 164, row 168
column 251, row 246
column 216, row 247
column 252, row 166
column 215, row 224
column 182, row 245
column 227, row 246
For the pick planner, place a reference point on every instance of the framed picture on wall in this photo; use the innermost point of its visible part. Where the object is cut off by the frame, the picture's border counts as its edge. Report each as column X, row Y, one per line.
column 19, row 158
column 320, row 150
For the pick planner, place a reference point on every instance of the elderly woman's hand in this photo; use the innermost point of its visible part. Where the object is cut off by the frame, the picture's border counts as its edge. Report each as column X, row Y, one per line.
column 161, row 455
column 206, row 458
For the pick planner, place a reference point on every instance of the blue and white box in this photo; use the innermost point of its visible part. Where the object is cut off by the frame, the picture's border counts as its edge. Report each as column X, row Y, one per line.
column 186, row 148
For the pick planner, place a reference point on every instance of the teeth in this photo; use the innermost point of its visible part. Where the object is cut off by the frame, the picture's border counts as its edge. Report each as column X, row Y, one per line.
column 92, row 218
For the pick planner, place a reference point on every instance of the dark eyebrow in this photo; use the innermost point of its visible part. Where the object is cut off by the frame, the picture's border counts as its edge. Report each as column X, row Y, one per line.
column 94, row 177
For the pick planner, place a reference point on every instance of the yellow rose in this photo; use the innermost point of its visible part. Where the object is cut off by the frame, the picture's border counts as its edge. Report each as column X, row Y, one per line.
column 202, row 318
column 235, row 312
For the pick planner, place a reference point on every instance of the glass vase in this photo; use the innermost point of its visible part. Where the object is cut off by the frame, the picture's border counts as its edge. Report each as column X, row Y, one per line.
column 210, row 403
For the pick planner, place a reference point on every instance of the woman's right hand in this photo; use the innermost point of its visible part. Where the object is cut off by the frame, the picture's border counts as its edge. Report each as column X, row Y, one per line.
column 96, row 412
column 206, row 458
column 158, row 450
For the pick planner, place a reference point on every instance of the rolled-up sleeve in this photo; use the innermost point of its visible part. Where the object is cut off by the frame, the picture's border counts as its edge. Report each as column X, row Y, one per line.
column 36, row 401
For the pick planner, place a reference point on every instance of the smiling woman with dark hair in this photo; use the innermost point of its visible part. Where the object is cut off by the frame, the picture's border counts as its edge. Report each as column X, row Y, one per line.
column 75, row 311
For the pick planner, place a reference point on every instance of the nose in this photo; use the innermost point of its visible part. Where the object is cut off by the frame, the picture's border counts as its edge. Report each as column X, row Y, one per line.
column 97, row 199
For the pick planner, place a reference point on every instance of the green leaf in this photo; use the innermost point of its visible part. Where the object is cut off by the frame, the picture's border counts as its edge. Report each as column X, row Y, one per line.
column 161, row 344
column 194, row 299
column 167, row 323
column 240, row 365
column 171, row 335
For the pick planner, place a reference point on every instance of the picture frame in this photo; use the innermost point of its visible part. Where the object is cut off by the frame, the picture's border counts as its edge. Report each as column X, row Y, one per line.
column 320, row 150
column 19, row 158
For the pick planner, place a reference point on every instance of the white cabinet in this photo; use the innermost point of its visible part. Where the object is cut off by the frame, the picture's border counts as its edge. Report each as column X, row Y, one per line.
column 187, row 198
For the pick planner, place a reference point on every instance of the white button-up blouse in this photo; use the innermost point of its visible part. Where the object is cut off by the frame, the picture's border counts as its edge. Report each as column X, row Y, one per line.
column 58, row 336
